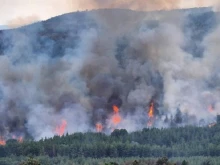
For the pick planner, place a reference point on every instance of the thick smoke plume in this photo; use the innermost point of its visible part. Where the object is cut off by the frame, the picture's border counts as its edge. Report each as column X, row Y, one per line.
column 134, row 63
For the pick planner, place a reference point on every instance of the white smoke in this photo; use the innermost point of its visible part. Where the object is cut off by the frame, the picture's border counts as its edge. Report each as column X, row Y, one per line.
column 37, row 91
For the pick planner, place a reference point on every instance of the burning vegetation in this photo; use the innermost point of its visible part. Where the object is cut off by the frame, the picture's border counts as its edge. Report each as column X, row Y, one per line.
column 142, row 74
column 99, row 127
column 2, row 141
column 116, row 118
column 151, row 115
column 60, row 129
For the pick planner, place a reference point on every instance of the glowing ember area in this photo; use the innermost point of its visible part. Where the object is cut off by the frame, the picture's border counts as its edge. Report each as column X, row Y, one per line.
column 150, row 115
column 210, row 108
column 116, row 118
column 115, row 109
column 61, row 128
column 19, row 139
column 2, row 141
column 99, row 127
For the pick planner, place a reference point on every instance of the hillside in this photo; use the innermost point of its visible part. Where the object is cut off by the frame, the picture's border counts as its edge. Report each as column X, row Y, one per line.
column 190, row 143
column 54, row 36
column 109, row 69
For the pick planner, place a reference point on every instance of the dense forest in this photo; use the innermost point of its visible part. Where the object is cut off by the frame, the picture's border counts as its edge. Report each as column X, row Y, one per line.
column 173, row 142
column 149, row 142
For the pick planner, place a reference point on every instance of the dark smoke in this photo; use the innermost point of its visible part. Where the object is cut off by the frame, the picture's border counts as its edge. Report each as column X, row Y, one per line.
column 77, row 66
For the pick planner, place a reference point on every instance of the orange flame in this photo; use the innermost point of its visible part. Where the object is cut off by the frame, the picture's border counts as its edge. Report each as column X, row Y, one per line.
column 151, row 115
column 61, row 128
column 2, row 141
column 115, row 109
column 116, row 118
column 99, row 127
column 151, row 110
column 210, row 108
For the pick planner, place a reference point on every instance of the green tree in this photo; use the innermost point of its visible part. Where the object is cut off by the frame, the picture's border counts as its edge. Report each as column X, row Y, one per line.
column 184, row 163
column 162, row 161
column 135, row 162
column 207, row 162
column 30, row 161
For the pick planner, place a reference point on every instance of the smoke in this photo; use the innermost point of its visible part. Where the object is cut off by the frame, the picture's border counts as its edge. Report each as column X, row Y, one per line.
column 129, row 62
column 77, row 120
column 22, row 21
column 149, row 5
column 217, row 6
column 131, row 4
column 25, row 10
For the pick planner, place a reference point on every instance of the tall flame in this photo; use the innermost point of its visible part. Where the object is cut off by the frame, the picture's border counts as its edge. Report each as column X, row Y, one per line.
column 151, row 110
column 61, row 128
column 99, row 127
column 116, row 118
column 2, row 141
column 151, row 114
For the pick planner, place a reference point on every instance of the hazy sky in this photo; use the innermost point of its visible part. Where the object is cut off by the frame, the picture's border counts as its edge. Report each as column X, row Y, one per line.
column 17, row 12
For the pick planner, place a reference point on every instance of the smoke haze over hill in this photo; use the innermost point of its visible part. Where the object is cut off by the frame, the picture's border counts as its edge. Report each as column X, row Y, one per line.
column 159, row 69
column 25, row 10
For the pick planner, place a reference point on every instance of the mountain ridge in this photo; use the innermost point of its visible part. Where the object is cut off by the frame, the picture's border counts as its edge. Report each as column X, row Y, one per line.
column 69, row 25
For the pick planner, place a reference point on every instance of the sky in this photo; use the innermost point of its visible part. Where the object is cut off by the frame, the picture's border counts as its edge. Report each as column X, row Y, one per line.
column 14, row 13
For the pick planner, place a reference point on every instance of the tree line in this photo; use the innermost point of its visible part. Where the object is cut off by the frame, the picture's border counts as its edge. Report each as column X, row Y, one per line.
column 149, row 142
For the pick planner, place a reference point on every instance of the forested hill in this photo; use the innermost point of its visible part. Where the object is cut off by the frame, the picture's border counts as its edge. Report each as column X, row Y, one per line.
column 58, row 35
column 172, row 142
column 77, row 66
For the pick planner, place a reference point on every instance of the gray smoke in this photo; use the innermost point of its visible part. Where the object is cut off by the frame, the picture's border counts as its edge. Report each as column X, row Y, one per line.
column 122, row 60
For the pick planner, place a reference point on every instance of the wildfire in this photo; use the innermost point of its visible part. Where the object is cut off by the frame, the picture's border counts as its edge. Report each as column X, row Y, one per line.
column 61, row 128
column 151, row 110
column 2, row 141
column 99, row 127
column 116, row 118
column 19, row 139
column 150, row 115
column 115, row 109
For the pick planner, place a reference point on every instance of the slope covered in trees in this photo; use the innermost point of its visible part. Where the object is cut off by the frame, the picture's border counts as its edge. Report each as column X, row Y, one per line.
column 172, row 142
column 57, row 36
column 84, row 63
